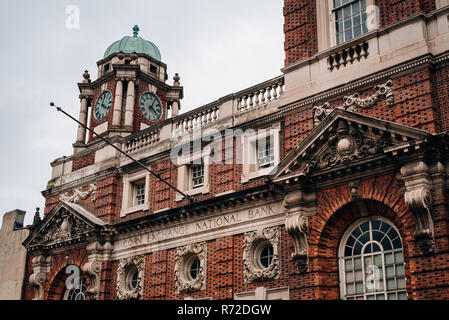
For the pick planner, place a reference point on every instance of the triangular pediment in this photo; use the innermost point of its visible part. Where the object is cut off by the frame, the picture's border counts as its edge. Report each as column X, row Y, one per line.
column 345, row 139
column 65, row 224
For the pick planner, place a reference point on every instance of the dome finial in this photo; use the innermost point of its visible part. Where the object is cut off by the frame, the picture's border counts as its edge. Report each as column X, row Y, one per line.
column 136, row 31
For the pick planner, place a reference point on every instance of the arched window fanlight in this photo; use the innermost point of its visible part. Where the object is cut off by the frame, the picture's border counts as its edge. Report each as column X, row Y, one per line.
column 371, row 262
column 77, row 293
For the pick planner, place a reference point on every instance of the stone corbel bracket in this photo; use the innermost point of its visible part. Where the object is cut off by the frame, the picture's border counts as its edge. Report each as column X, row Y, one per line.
column 96, row 254
column 41, row 268
column 417, row 190
column 299, row 207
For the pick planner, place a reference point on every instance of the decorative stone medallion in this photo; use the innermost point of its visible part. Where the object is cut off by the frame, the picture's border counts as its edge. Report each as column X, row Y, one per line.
column 125, row 267
column 185, row 256
column 253, row 241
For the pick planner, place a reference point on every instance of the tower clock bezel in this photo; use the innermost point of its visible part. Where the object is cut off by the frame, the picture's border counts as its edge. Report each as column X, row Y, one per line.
column 160, row 102
column 96, row 101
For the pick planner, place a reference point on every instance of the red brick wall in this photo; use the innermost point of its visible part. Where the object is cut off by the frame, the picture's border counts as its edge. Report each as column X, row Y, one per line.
column 392, row 11
column 55, row 284
column 420, row 101
column 83, row 161
column 50, row 203
column 427, row 277
column 300, row 28
column 28, row 291
column 224, row 272
column 441, row 87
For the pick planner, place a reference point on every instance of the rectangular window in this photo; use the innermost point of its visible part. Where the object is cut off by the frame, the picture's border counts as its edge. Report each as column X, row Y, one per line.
column 135, row 192
column 139, row 194
column 265, row 152
column 153, row 69
column 197, row 176
column 350, row 19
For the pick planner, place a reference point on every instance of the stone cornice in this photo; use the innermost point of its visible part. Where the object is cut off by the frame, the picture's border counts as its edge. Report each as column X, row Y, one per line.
column 230, row 200
column 427, row 59
column 90, row 147
column 80, row 182
column 142, row 55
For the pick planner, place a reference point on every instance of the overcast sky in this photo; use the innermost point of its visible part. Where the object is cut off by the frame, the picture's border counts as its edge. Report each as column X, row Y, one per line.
column 217, row 47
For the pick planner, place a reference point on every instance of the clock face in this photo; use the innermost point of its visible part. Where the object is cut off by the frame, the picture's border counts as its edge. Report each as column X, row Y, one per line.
column 103, row 105
column 150, row 106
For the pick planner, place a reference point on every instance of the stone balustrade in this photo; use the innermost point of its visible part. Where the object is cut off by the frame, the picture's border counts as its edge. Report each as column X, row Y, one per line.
column 260, row 95
column 197, row 119
column 141, row 141
column 347, row 55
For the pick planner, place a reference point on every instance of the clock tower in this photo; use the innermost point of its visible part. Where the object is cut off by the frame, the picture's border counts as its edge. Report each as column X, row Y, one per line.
column 130, row 93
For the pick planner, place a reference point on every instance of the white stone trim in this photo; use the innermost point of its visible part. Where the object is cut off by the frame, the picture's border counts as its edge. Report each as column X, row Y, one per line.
column 184, row 254
column 250, row 169
column 185, row 183
column 127, row 198
column 199, row 229
column 442, row 3
column 326, row 22
column 122, row 288
column 252, row 242
column 262, row 293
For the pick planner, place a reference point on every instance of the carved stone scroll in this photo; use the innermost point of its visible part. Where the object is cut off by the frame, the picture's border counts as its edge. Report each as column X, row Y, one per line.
column 320, row 112
column 78, row 194
column 418, row 198
column 299, row 206
column 41, row 268
column 96, row 254
column 352, row 102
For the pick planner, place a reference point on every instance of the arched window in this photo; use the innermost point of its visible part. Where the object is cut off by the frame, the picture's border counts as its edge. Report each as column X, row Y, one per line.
column 371, row 262
column 77, row 293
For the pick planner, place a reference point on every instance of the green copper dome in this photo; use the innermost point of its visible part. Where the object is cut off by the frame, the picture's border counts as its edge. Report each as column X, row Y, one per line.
column 134, row 44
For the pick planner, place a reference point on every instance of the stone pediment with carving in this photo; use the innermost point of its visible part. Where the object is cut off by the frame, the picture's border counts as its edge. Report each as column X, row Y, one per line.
column 66, row 224
column 344, row 139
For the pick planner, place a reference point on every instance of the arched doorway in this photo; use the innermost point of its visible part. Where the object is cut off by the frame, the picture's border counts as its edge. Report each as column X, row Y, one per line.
column 69, row 284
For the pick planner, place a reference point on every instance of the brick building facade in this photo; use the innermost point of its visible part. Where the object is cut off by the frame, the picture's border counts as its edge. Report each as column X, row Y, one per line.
column 327, row 182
